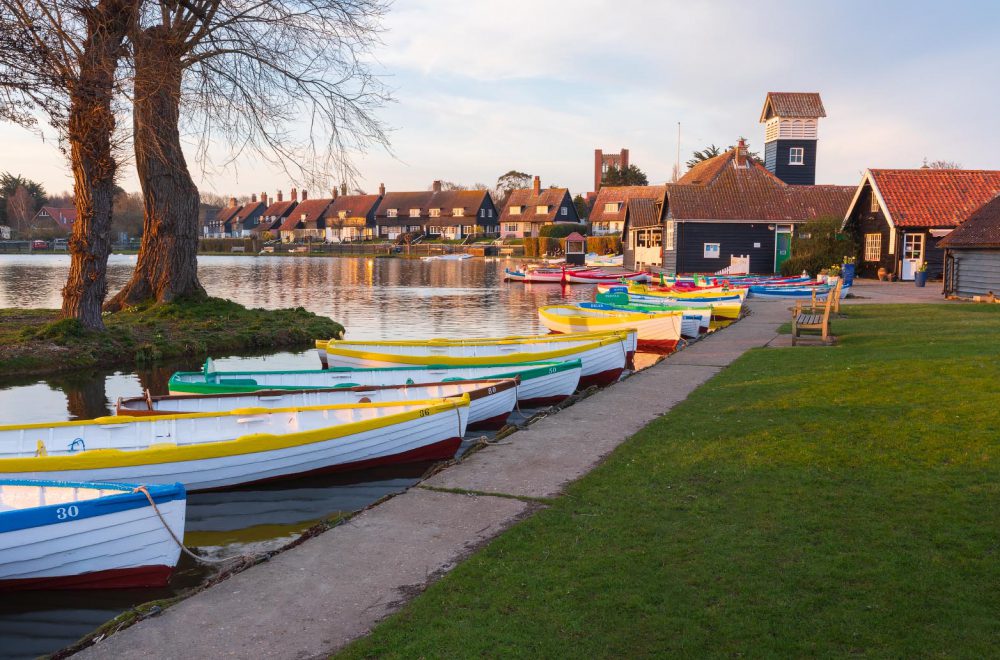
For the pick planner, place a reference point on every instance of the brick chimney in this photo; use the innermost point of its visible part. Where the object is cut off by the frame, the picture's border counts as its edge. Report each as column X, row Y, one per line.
column 381, row 189
column 294, row 195
column 263, row 198
column 741, row 153
column 343, row 189
column 281, row 196
column 436, row 186
column 232, row 202
column 305, row 195
column 333, row 191
column 537, row 185
column 253, row 198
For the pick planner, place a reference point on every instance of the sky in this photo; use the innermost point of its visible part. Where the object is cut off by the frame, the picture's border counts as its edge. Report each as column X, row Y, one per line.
column 482, row 87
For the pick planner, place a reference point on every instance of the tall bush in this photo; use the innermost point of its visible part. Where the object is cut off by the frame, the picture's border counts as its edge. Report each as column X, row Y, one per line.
column 561, row 230
column 818, row 244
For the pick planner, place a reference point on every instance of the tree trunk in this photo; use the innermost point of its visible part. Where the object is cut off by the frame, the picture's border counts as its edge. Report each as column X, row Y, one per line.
column 89, row 132
column 167, row 266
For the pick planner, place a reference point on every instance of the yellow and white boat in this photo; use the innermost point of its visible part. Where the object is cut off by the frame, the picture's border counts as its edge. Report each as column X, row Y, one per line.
column 220, row 449
column 658, row 331
column 603, row 355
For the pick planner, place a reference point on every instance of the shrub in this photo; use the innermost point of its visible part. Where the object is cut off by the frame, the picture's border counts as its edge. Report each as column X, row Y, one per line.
column 226, row 244
column 561, row 230
column 816, row 245
column 604, row 244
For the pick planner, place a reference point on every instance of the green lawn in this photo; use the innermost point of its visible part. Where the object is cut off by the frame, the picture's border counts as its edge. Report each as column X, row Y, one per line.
column 806, row 502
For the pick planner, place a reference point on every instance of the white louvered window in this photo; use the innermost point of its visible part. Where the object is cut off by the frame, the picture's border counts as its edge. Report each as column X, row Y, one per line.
column 873, row 247
column 796, row 156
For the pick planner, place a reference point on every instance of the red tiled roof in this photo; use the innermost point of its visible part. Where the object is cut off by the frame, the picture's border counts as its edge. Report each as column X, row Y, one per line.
column 934, row 198
column 623, row 195
column 353, row 206
column 528, row 201
column 444, row 201
column 308, row 212
column 279, row 209
column 718, row 190
column 227, row 213
column 792, row 104
column 63, row 216
column 643, row 212
column 982, row 229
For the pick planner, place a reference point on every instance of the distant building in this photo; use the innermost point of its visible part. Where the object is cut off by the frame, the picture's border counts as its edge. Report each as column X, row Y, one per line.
column 898, row 217
column 452, row 214
column 57, row 218
column 276, row 213
column 248, row 217
column 307, row 221
column 350, row 217
column 221, row 225
column 608, row 213
column 528, row 209
column 603, row 162
column 791, row 130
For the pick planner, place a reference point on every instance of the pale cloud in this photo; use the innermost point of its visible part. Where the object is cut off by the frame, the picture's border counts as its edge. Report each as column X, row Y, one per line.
column 483, row 87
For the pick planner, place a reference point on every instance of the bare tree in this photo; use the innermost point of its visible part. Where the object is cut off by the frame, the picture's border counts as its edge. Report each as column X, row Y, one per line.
column 61, row 59
column 942, row 165
column 20, row 209
column 242, row 73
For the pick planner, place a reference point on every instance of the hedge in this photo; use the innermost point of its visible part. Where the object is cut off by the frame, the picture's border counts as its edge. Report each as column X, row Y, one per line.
column 561, row 230
column 226, row 244
column 545, row 246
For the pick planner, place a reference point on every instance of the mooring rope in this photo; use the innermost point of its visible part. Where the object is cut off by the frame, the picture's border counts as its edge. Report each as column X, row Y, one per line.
column 180, row 544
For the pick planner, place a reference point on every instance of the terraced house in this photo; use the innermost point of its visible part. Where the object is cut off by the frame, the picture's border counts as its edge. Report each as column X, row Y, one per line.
column 611, row 206
column 452, row 214
column 350, row 217
column 529, row 209
column 276, row 213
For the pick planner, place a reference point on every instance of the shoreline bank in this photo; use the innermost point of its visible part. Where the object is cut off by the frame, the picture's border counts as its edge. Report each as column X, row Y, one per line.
column 36, row 342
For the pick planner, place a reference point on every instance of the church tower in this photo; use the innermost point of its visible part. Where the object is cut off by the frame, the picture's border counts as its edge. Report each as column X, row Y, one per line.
column 791, row 120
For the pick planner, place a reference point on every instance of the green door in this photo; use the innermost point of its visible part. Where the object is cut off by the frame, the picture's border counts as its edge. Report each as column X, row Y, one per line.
column 782, row 249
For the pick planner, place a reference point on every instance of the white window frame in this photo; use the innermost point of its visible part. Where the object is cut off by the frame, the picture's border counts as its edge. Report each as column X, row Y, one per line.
column 512, row 227
column 458, row 212
column 542, row 209
column 515, row 210
column 873, row 203
column 797, row 156
column 489, row 213
column 712, row 251
column 873, row 247
column 564, row 211
column 414, row 213
column 612, row 207
column 671, row 235
column 391, row 213
column 435, row 213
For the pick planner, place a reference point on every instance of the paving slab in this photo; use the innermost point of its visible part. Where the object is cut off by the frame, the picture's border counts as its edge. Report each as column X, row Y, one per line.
column 333, row 588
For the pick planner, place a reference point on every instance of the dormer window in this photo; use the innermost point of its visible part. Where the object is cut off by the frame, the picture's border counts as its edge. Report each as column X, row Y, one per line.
column 435, row 213
column 797, row 156
column 515, row 210
column 612, row 207
column 390, row 213
column 542, row 209
column 458, row 212
column 414, row 213
column 341, row 214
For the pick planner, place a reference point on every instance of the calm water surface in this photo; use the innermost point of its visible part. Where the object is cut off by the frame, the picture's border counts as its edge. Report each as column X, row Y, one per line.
column 372, row 298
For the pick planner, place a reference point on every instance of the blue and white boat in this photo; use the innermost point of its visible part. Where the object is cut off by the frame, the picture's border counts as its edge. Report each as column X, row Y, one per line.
column 69, row 535
column 795, row 292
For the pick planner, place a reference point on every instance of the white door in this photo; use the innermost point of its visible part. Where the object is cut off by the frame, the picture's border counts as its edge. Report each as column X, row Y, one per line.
column 913, row 255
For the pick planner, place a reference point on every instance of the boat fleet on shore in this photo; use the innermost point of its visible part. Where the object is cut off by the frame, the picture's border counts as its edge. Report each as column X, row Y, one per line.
column 100, row 503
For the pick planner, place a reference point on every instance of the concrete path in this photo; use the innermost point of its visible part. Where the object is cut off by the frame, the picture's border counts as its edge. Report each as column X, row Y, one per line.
column 873, row 291
column 315, row 598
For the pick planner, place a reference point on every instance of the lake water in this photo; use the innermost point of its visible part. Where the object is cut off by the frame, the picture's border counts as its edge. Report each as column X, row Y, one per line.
column 372, row 298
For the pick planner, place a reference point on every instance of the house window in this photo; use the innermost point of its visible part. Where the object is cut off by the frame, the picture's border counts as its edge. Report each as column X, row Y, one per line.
column 670, row 235
column 874, row 203
column 489, row 212
column 482, row 213
column 655, row 238
column 542, row 208
column 711, row 251
column 341, row 214
column 564, row 211
column 414, row 213
column 873, row 247
column 796, row 156
column 515, row 210
column 390, row 213
column 458, row 213
column 510, row 226
column 612, row 207
column 435, row 213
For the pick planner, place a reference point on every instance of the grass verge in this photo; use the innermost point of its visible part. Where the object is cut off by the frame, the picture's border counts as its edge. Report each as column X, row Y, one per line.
column 806, row 501
column 36, row 341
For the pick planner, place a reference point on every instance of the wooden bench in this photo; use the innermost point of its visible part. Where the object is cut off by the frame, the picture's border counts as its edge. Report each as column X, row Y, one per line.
column 815, row 315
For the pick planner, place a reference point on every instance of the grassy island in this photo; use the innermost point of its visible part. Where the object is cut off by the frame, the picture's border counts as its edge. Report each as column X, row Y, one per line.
column 37, row 341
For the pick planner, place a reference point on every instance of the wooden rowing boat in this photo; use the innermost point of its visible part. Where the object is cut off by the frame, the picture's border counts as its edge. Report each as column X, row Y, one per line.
column 603, row 358
column 71, row 535
column 490, row 401
column 603, row 277
column 206, row 451
column 658, row 331
column 542, row 383
column 694, row 320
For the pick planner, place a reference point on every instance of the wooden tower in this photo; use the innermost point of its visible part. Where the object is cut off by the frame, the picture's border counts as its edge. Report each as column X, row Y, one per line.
column 791, row 122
